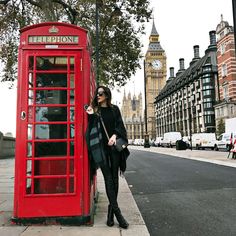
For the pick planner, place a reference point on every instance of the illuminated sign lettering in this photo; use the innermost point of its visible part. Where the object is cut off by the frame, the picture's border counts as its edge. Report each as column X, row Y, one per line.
column 66, row 39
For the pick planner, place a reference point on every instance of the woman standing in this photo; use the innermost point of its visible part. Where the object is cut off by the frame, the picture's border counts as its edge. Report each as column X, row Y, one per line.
column 101, row 148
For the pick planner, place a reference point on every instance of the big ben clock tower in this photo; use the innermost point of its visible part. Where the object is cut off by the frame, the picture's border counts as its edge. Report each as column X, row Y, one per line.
column 155, row 77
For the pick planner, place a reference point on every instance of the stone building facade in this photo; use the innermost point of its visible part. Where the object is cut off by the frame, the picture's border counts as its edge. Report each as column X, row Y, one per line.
column 226, row 101
column 132, row 113
column 186, row 103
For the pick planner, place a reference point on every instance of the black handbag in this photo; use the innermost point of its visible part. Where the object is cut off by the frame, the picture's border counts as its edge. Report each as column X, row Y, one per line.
column 121, row 143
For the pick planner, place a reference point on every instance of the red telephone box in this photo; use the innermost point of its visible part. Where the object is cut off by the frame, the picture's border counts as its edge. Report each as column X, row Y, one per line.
column 55, row 80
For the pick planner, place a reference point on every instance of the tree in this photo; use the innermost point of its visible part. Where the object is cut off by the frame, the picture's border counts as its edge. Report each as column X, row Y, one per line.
column 220, row 127
column 119, row 47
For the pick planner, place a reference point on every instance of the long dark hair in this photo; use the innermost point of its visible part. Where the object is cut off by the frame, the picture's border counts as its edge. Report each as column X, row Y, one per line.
column 107, row 93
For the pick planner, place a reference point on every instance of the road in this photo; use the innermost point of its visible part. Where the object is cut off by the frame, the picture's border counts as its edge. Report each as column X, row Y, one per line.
column 183, row 197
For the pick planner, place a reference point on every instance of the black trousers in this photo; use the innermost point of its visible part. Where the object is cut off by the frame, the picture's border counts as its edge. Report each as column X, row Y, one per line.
column 110, row 173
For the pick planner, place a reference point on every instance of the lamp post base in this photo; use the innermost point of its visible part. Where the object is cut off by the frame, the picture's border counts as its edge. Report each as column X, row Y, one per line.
column 146, row 141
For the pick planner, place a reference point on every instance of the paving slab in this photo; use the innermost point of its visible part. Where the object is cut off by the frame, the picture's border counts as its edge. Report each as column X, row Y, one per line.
column 12, row 231
column 70, row 231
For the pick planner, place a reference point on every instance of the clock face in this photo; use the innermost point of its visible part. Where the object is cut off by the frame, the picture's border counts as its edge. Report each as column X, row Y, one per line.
column 156, row 65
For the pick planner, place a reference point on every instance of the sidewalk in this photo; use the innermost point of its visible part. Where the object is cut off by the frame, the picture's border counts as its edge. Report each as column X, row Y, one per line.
column 126, row 201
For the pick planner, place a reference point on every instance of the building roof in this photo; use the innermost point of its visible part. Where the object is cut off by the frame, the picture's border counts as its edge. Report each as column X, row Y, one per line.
column 154, row 30
column 155, row 46
column 188, row 75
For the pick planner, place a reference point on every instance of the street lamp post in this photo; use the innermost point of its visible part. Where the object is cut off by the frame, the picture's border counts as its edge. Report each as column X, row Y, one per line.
column 190, row 119
column 146, row 136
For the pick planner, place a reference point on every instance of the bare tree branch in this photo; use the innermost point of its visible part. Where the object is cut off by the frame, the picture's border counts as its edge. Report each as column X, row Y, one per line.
column 72, row 12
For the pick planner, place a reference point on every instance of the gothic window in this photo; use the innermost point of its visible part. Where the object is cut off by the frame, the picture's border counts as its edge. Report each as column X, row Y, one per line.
column 208, row 119
column 207, row 92
column 222, row 48
column 133, row 105
column 207, row 105
column 206, row 80
column 224, row 70
column 225, row 91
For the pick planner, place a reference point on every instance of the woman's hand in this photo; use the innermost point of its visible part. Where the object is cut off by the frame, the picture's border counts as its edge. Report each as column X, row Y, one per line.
column 89, row 110
column 112, row 140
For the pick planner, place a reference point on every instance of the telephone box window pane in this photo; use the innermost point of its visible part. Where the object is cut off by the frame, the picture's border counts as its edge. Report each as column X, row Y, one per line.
column 31, row 63
column 51, row 63
column 72, row 80
column 50, row 149
column 30, row 114
column 29, row 150
column 72, row 149
column 72, row 114
column 50, row 167
column 72, row 131
column 30, row 97
column 30, row 132
column 71, row 167
column 50, row 185
column 42, row 131
column 72, row 63
column 50, row 131
column 72, row 97
column 28, row 186
column 51, row 80
column 29, row 168
column 72, row 185
column 51, row 97
column 30, row 80
column 45, row 114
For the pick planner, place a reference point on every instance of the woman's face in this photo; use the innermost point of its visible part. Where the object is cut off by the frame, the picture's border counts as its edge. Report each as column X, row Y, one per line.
column 101, row 96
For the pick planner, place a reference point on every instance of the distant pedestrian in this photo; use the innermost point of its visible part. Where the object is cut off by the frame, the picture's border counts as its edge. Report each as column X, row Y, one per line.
column 101, row 147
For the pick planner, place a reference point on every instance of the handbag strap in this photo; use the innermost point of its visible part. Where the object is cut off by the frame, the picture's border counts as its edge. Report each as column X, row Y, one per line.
column 104, row 127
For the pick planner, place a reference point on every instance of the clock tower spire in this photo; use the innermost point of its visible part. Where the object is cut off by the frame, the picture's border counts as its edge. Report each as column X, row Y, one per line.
column 155, row 71
column 154, row 36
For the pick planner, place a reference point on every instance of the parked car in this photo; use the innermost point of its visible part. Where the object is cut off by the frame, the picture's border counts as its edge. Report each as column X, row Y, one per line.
column 224, row 140
column 142, row 142
column 170, row 138
column 204, row 140
column 130, row 141
column 138, row 142
column 157, row 141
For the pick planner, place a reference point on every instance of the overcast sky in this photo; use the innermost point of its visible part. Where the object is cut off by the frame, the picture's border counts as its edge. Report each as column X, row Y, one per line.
column 181, row 24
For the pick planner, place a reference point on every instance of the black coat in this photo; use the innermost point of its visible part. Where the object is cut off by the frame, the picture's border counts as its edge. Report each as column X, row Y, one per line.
column 120, row 131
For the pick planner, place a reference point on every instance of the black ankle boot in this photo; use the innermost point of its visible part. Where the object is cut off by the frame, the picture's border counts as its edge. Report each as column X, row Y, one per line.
column 110, row 216
column 122, row 222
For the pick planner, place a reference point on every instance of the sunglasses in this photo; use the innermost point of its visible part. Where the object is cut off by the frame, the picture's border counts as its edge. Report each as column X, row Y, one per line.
column 99, row 94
